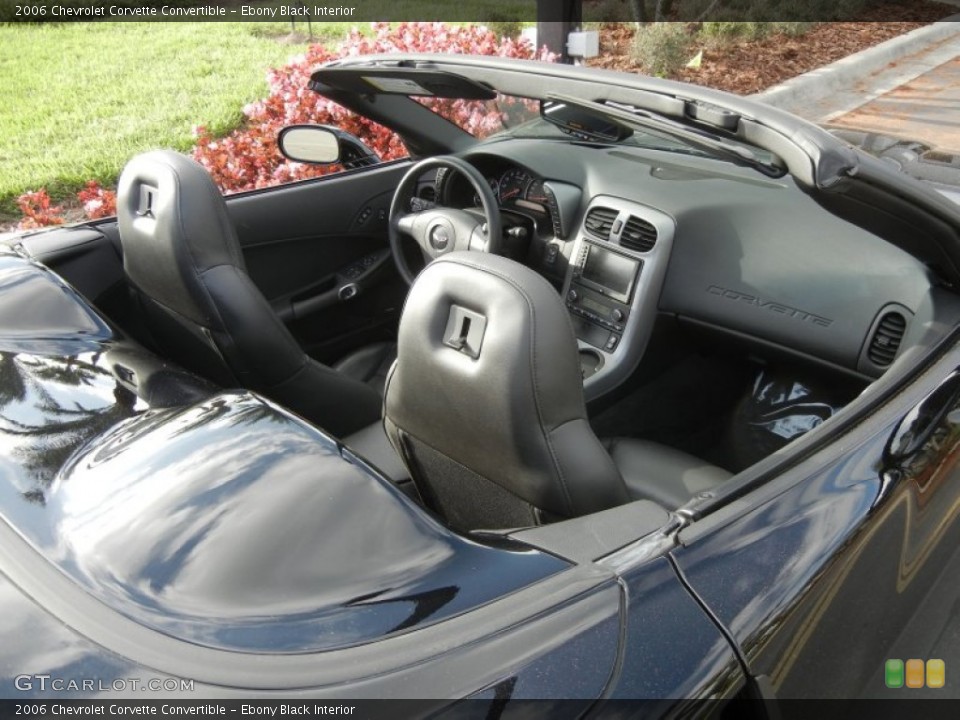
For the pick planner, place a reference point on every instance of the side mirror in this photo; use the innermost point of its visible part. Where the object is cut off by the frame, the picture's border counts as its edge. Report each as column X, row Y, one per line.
column 323, row 144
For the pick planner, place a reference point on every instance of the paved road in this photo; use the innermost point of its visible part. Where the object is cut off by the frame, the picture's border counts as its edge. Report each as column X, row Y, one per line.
column 899, row 100
column 925, row 108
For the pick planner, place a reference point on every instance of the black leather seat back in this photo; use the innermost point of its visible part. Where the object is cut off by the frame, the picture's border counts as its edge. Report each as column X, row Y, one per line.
column 485, row 402
column 174, row 228
column 181, row 253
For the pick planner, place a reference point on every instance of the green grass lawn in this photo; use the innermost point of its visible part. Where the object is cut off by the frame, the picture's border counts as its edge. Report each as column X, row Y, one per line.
column 79, row 99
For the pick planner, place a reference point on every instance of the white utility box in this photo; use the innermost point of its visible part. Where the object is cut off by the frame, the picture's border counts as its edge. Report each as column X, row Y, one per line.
column 583, row 44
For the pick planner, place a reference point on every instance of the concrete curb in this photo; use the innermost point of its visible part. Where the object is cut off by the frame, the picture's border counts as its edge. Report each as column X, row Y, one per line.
column 824, row 82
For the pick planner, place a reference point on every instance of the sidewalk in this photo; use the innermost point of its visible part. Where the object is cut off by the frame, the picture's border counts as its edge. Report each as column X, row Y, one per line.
column 908, row 87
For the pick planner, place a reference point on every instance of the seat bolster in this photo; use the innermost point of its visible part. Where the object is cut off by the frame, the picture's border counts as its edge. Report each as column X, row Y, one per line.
column 663, row 474
column 254, row 343
column 316, row 391
column 369, row 364
column 585, row 472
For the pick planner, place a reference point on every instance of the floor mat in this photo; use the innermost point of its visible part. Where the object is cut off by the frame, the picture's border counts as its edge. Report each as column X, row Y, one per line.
column 686, row 407
column 730, row 412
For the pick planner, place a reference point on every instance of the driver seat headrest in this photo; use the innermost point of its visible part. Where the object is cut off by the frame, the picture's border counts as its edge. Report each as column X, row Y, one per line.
column 485, row 403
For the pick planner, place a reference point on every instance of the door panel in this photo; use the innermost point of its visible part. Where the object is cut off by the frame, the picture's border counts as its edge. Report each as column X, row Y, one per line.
column 306, row 242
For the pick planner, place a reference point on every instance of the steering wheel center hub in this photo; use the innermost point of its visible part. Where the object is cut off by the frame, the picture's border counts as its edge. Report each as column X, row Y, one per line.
column 439, row 230
column 441, row 236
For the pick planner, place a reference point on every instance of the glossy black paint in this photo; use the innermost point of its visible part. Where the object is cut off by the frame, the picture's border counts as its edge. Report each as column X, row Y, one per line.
column 566, row 651
column 856, row 562
column 35, row 643
column 166, row 514
column 671, row 649
column 287, row 514
column 143, row 487
column 56, row 391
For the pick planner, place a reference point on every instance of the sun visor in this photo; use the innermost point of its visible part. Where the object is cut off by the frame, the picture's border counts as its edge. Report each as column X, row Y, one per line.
column 400, row 81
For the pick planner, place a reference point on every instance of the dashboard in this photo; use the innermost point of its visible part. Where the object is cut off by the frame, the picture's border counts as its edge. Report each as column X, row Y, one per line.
column 630, row 234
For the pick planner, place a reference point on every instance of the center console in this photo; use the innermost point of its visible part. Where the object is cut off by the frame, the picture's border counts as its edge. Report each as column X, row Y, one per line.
column 613, row 285
column 600, row 294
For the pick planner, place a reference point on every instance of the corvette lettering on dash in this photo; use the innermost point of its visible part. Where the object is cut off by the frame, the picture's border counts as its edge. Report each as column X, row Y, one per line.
column 769, row 305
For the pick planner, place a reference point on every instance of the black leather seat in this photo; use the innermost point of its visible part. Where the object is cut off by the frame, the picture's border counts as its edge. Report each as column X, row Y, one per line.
column 485, row 406
column 668, row 476
column 182, row 256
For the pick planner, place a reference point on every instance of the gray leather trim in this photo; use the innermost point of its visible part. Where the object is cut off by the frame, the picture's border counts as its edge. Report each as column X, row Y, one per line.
column 372, row 444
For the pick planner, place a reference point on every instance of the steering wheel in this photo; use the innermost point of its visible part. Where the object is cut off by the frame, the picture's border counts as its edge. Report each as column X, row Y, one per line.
column 441, row 230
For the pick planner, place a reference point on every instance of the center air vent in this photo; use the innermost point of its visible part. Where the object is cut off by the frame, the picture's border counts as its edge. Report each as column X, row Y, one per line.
column 887, row 338
column 599, row 221
column 638, row 235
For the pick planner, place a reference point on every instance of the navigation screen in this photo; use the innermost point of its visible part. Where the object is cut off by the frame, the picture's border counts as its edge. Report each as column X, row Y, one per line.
column 611, row 271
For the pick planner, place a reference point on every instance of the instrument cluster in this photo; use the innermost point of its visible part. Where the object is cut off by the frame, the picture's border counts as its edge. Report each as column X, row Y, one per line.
column 514, row 188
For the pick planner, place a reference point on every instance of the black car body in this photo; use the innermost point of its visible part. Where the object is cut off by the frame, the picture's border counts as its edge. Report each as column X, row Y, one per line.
column 795, row 321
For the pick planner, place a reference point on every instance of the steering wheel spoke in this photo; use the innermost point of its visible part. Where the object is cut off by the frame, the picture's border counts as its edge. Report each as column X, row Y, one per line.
column 406, row 223
column 479, row 239
column 440, row 230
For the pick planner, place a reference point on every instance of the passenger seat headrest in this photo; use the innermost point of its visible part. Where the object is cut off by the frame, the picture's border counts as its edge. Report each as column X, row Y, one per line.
column 487, row 384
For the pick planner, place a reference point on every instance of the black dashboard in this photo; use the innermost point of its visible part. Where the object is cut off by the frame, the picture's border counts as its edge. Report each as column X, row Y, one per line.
column 731, row 250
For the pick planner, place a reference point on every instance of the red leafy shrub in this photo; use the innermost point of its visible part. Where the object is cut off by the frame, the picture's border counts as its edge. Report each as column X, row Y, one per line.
column 97, row 202
column 248, row 158
column 38, row 210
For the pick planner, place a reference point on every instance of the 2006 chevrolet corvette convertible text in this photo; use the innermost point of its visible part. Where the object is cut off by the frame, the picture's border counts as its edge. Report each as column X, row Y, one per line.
column 651, row 394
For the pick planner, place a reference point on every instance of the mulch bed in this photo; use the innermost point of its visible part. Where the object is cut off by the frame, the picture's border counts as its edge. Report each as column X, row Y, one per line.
column 746, row 67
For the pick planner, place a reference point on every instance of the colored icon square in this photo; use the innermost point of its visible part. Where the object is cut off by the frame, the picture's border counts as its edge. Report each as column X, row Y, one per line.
column 914, row 673
column 893, row 673
column 936, row 673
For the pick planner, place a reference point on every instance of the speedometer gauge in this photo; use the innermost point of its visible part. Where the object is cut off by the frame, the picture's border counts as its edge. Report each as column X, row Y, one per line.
column 513, row 184
column 494, row 185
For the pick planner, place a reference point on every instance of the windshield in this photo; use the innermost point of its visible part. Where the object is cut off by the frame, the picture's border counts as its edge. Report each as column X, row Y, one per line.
column 510, row 116
column 483, row 118
column 541, row 129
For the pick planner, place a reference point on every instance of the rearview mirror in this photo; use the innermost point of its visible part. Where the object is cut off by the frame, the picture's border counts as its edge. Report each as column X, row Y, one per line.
column 581, row 123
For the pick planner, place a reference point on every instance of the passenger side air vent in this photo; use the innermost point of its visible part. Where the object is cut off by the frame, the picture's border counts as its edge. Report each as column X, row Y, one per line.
column 599, row 222
column 638, row 235
column 887, row 338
